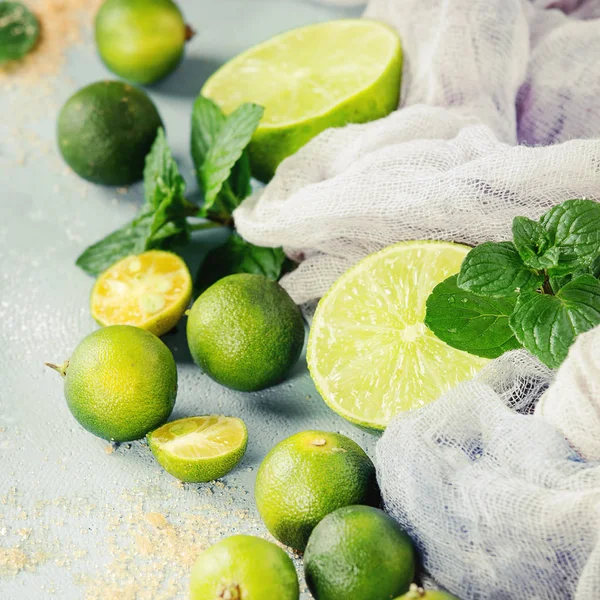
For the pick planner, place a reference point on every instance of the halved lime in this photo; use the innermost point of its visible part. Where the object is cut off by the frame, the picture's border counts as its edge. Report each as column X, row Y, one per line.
column 309, row 79
column 149, row 290
column 369, row 352
column 199, row 449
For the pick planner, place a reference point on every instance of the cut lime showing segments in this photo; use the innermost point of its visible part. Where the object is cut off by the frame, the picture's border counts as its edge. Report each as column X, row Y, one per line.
column 369, row 352
column 150, row 291
column 199, row 449
column 309, row 79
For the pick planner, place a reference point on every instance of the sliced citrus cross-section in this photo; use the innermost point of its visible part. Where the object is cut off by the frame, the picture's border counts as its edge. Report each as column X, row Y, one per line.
column 309, row 79
column 369, row 352
column 199, row 449
column 150, row 291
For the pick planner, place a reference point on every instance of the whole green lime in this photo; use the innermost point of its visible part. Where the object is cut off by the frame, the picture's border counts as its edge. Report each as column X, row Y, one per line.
column 358, row 553
column 140, row 40
column 244, row 567
column 417, row 593
column 120, row 382
column 307, row 476
column 105, row 130
column 245, row 332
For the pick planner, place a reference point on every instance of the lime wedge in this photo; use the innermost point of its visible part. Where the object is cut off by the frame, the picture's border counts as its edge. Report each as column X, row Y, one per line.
column 309, row 79
column 199, row 449
column 149, row 290
column 369, row 352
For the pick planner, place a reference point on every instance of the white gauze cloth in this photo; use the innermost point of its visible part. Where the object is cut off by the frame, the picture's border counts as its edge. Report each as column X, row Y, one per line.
column 484, row 81
column 500, row 505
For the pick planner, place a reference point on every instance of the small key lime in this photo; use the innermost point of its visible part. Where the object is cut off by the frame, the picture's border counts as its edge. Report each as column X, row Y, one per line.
column 105, row 130
column 120, row 382
column 358, row 553
column 244, row 567
column 199, row 449
column 307, row 476
column 245, row 332
column 141, row 40
column 150, row 290
column 417, row 593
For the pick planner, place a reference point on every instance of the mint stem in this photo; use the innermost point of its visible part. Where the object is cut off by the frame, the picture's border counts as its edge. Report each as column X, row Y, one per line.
column 207, row 225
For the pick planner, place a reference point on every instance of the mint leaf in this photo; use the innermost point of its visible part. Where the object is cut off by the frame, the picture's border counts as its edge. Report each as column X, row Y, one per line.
column 496, row 270
column 161, row 221
column 574, row 229
column 130, row 239
column 547, row 325
column 239, row 256
column 465, row 321
column 207, row 120
column 239, row 179
column 533, row 244
column 160, row 171
column 19, row 31
column 226, row 150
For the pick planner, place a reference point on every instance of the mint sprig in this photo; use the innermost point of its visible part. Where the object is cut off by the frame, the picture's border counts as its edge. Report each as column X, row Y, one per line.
column 239, row 256
column 220, row 159
column 218, row 147
column 222, row 167
column 160, row 222
column 538, row 292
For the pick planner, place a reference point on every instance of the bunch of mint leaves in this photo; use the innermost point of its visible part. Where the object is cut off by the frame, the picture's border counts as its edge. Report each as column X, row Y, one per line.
column 167, row 219
column 537, row 292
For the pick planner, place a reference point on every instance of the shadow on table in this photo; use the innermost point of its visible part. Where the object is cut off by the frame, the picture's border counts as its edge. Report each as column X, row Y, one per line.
column 188, row 77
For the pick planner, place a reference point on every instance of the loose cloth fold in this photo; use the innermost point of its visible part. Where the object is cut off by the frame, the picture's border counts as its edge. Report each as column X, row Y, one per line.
column 499, row 114
column 499, row 502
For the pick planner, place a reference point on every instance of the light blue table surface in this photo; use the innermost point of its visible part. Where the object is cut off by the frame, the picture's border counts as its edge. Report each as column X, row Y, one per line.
column 75, row 520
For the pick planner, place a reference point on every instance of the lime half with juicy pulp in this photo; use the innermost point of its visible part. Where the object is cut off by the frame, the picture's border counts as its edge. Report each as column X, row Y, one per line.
column 199, row 449
column 309, row 79
column 369, row 352
column 149, row 290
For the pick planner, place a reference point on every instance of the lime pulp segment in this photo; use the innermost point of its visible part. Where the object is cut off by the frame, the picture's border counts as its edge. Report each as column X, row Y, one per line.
column 369, row 352
column 201, row 437
column 306, row 72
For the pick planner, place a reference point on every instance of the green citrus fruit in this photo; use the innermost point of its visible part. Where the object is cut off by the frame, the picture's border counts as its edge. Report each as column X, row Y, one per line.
column 309, row 79
column 358, row 553
column 140, row 40
column 199, row 449
column 417, row 593
column 244, row 567
column 307, row 476
column 149, row 290
column 105, row 131
column 245, row 332
column 368, row 339
column 120, row 382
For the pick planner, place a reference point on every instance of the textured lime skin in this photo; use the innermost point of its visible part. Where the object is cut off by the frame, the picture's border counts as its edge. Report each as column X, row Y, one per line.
column 358, row 553
column 271, row 144
column 121, row 382
column 245, row 332
column 307, row 476
column 244, row 567
column 105, row 131
column 140, row 40
column 420, row 594
column 198, row 470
